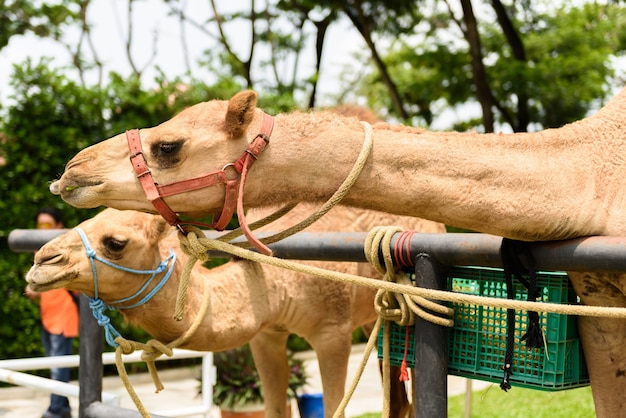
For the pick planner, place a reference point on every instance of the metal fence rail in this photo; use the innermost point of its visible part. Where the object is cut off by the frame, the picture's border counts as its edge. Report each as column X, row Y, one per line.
column 599, row 254
column 11, row 371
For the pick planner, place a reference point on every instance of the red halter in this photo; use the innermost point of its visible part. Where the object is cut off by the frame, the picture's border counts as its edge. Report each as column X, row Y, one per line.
column 155, row 192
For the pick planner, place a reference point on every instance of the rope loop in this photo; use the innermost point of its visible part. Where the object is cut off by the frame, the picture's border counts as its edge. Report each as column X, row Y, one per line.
column 394, row 306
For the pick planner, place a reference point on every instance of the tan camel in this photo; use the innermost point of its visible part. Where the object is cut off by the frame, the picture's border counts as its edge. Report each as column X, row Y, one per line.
column 555, row 184
column 249, row 302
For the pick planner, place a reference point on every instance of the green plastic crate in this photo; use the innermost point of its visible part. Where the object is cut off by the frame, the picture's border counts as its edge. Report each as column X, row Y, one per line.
column 397, row 344
column 477, row 342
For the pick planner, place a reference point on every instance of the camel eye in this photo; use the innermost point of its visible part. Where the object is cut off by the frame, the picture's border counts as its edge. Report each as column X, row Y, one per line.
column 114, row 245
column 169, row 148
column 167, row 154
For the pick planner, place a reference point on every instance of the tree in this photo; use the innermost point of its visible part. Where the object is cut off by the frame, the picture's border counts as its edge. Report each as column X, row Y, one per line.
column 18, row 17
column 561, row 62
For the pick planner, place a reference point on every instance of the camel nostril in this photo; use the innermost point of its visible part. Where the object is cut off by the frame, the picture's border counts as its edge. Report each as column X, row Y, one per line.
column 76, row 161
column 50, row 259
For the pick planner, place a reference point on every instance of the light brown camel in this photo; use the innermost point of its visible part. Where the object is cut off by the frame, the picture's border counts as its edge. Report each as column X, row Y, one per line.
column 249, row 302
column 550, row 185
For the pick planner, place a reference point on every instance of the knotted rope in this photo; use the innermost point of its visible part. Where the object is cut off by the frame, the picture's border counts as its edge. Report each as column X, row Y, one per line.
column 394, row 306
column 399, row 306
column 443, row 295
column 152, row 350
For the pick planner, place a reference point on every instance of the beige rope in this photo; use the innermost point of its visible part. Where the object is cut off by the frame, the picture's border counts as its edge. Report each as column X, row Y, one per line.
column 344, row 188
column 379, row 237
column 152, row 350
column 396, row 306
column 371, row 343
column 443, row 295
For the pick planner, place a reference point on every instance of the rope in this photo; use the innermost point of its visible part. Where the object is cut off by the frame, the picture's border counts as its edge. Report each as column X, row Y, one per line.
column 371, row 343
column 398, row 306
column 442, row 295
column 341, row 192
column 152, row 350
column 414, row 296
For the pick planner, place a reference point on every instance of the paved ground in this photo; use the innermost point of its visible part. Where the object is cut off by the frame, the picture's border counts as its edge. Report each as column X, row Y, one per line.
column 181, row 388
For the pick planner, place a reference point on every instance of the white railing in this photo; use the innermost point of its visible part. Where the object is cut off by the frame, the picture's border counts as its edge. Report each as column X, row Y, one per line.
column 11, row 371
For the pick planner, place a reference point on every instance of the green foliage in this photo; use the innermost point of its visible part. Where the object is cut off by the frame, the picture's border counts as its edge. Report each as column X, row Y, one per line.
column 567, row 69
column 520, row 403
column 52, row 120
column 18, row 17
column 238, row 382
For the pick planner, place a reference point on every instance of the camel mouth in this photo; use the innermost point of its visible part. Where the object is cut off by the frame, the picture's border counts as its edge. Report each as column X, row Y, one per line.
column 57, row 189
column 69, row 188
column 74, row 191
column 41, row 282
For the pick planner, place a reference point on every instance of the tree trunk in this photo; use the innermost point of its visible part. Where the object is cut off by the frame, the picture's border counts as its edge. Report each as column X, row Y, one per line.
column 321, row 26
column 519, row 53
column 483, row 92
column 359, row 21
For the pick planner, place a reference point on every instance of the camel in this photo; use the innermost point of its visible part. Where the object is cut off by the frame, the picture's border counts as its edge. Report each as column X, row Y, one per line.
column 250, row 302
column 550, row 185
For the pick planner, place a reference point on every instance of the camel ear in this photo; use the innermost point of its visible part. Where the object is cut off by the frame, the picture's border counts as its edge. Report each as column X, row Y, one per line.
column 159, row 228
column 240, row 113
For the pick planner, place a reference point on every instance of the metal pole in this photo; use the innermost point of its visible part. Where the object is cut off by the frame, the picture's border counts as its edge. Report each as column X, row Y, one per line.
column 90, row 365
column 590, row 254
column 431, row 359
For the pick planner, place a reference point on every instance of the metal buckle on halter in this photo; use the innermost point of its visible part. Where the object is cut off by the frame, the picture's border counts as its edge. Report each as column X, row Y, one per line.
column 231, row 165
column 254, row 150
column 144, row 173
column 136, row 153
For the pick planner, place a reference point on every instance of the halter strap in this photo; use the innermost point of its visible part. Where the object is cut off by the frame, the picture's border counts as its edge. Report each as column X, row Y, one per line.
column 155, row 192
column 98, row 306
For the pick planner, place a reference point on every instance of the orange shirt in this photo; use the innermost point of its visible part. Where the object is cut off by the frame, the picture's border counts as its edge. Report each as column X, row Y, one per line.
column 59, row 313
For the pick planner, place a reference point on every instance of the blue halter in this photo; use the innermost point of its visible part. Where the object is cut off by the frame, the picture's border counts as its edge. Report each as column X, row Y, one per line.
column 98, row 306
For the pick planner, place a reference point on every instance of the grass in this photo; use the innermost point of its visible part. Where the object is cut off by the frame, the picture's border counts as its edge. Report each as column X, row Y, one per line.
column 492, row 402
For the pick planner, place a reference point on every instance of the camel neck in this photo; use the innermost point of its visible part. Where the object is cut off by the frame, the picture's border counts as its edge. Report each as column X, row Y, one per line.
column 511, row 185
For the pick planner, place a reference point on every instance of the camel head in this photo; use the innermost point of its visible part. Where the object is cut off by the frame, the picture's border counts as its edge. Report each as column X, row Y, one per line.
column 126, row 238
column 200, row 140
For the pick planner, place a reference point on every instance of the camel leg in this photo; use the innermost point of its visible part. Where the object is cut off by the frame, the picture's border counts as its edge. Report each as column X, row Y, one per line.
column 333, row 352
column 603, row 341
column 399, row 405
column 269, row 349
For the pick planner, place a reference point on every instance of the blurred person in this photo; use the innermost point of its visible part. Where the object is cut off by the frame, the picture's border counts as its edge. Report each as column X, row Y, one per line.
column 59, row 319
